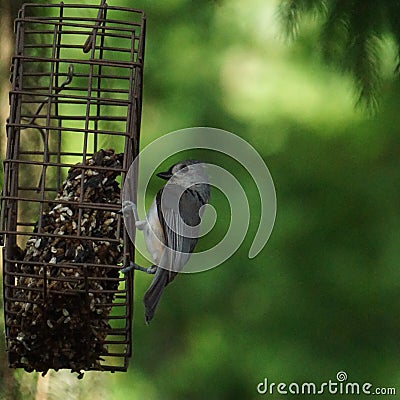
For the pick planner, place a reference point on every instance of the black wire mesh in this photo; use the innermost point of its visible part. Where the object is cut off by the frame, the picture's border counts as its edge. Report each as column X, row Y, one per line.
column 73, row 131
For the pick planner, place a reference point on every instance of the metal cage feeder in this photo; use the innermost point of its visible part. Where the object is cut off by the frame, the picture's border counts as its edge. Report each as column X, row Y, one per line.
column 73, row 132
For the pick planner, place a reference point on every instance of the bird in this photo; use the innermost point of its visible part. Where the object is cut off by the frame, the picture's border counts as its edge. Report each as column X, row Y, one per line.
column 171, row 227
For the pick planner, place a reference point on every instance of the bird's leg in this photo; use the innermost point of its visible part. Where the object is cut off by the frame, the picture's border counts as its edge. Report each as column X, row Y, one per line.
column 126, row 205
column 150, row 270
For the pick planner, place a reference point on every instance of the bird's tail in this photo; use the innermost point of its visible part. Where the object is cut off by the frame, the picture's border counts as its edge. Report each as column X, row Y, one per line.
column 154, row 292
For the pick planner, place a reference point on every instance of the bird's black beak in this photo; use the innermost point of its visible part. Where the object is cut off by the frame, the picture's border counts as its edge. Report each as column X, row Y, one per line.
column 164, row 175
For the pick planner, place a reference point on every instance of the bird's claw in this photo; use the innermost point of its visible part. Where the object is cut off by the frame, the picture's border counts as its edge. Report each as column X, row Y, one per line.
column 132, row 265
column 126, row 205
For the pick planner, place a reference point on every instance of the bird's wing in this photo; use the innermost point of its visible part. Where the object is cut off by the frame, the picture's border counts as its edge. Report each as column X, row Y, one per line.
column 173, row 207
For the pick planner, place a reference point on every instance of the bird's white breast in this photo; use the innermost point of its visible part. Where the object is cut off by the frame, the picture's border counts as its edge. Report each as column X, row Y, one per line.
column 153, row 234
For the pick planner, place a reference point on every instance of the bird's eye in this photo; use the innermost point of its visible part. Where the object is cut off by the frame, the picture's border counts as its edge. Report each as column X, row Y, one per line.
column 180, row 168
column 184, row 168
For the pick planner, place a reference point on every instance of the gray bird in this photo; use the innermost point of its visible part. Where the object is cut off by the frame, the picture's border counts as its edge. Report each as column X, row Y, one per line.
column 171, row 226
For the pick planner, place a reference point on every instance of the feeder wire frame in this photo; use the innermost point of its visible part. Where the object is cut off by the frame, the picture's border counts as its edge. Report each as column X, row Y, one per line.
column 67, row 101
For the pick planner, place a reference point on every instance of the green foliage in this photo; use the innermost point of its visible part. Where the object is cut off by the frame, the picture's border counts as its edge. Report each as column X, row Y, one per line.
column 352, row 35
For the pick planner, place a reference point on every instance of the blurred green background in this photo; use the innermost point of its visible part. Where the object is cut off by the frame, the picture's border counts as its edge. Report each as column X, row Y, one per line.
column 324, row 294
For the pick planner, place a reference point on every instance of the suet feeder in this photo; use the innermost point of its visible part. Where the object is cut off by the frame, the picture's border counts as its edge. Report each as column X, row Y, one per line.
column 73, row 131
